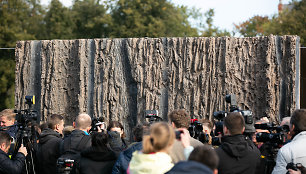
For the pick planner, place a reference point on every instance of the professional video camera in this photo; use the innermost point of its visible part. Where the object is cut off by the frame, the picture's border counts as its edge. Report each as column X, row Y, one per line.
column 275, row 136
column 247, row 114
column 64, row 165
column 96, row 124
column 196, row 131
column 152, row 116
column 27, row 134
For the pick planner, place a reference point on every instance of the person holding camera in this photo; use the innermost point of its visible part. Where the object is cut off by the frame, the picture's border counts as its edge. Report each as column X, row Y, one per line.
column 180, row 119
column 294, row 151
column 237, row 153
column 10, row 166
column 48, row 146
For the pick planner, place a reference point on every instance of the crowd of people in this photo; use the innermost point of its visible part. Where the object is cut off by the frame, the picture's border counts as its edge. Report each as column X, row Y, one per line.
column 159, row 147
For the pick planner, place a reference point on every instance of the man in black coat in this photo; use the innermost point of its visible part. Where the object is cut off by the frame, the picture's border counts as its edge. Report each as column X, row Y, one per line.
column 237, row 153
column 78, row 140
column 48, row 146
column 98, row 158
column 10, row 166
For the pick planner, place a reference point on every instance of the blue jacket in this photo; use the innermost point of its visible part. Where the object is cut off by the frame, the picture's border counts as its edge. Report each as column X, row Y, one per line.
column 190, row 167
column 124, row 159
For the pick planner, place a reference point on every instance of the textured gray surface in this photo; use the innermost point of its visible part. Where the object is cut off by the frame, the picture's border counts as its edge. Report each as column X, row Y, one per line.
column 120, row 78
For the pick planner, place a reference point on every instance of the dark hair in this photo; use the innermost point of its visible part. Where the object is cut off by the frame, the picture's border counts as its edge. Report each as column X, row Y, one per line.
column 234, row 122
column 5, row 138
column 54, row 120
column 99, row 139
column 180, row 118
column 205, row 155
column 140, row 130
column 298, row 119
column 113, row 124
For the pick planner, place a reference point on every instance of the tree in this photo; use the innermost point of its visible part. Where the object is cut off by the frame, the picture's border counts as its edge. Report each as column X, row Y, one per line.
column 252, row 27
column 58, row 22
column 150, row 18
column 91, row 19
column 211, row 30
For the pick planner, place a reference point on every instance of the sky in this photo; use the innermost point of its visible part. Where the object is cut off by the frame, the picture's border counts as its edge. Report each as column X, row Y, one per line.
column 227, row 12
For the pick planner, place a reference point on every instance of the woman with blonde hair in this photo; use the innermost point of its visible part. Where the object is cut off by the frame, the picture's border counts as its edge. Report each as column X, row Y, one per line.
column 154, row 157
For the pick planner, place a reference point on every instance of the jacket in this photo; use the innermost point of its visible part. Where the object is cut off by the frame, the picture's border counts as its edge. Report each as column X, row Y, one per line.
column 96, row 160
column 190, row 167
column 238, row 155
column 75, row 142
column 124, row 159
column 156, row 163
column 11, row 166
column 292, row 152
column 177, row 150
column 48, row 151
column 116, row 143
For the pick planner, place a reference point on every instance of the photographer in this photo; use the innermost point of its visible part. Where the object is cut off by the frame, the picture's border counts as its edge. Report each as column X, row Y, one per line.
column 10, row 166
column 180, row 119
column 293, row 152
column 238, row 152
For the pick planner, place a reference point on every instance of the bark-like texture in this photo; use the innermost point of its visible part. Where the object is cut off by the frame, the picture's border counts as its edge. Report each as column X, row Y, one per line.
column 120, row 78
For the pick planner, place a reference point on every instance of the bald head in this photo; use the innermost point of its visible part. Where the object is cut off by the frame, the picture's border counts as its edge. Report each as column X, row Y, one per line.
column 83, row 122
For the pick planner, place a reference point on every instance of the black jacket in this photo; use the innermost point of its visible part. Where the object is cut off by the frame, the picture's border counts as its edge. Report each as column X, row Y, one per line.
column 116, row 143
column 75, row 142
column 48, row 151
column 190, row 167
column 124, row 159
column 8, row 166
column 96, row 160
column 237, row 155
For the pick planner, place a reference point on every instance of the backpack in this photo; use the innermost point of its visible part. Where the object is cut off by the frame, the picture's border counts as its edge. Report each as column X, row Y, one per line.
column 70, row 156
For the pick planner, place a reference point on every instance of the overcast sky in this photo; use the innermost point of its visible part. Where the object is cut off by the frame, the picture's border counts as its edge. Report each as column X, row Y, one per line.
column 227, row 12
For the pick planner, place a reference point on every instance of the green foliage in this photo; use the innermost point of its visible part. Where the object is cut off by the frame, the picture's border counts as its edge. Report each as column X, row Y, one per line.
column 150, row 18
column 211, row 30
column 58, row 22
column 252, row 27
column 289, row 22
column 7, row 83
column 91, row 19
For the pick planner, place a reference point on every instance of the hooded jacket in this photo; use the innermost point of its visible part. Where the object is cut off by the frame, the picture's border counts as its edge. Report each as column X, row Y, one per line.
column 190, row 167
column 238, row 155
column 156, row 163
column 48, row 151
column 96, row 160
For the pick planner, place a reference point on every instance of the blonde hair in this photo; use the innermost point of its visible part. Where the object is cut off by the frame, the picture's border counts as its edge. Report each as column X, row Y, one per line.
column 161, row 137
column 8, row 113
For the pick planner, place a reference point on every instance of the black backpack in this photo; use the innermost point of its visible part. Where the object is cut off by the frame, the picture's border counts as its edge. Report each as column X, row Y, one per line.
column 70, row 156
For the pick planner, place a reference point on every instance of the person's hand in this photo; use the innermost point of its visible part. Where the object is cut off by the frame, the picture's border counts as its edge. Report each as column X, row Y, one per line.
column 23, row 150
column 294, row 171
column 185, row 137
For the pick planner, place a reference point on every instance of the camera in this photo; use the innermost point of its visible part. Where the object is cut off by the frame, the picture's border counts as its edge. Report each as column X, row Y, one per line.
column 293, row 166
column 195, row 128
column 178, row 134
column 276, row 135
column 151, row 116
column 25, row 116
column 96, row 123
column 64, row 165
column 247, row 114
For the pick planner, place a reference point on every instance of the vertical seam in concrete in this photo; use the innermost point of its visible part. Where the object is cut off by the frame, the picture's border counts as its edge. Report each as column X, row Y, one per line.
column 297, row 71
column 91, row 73
column 282, row 93
column 35, row 73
